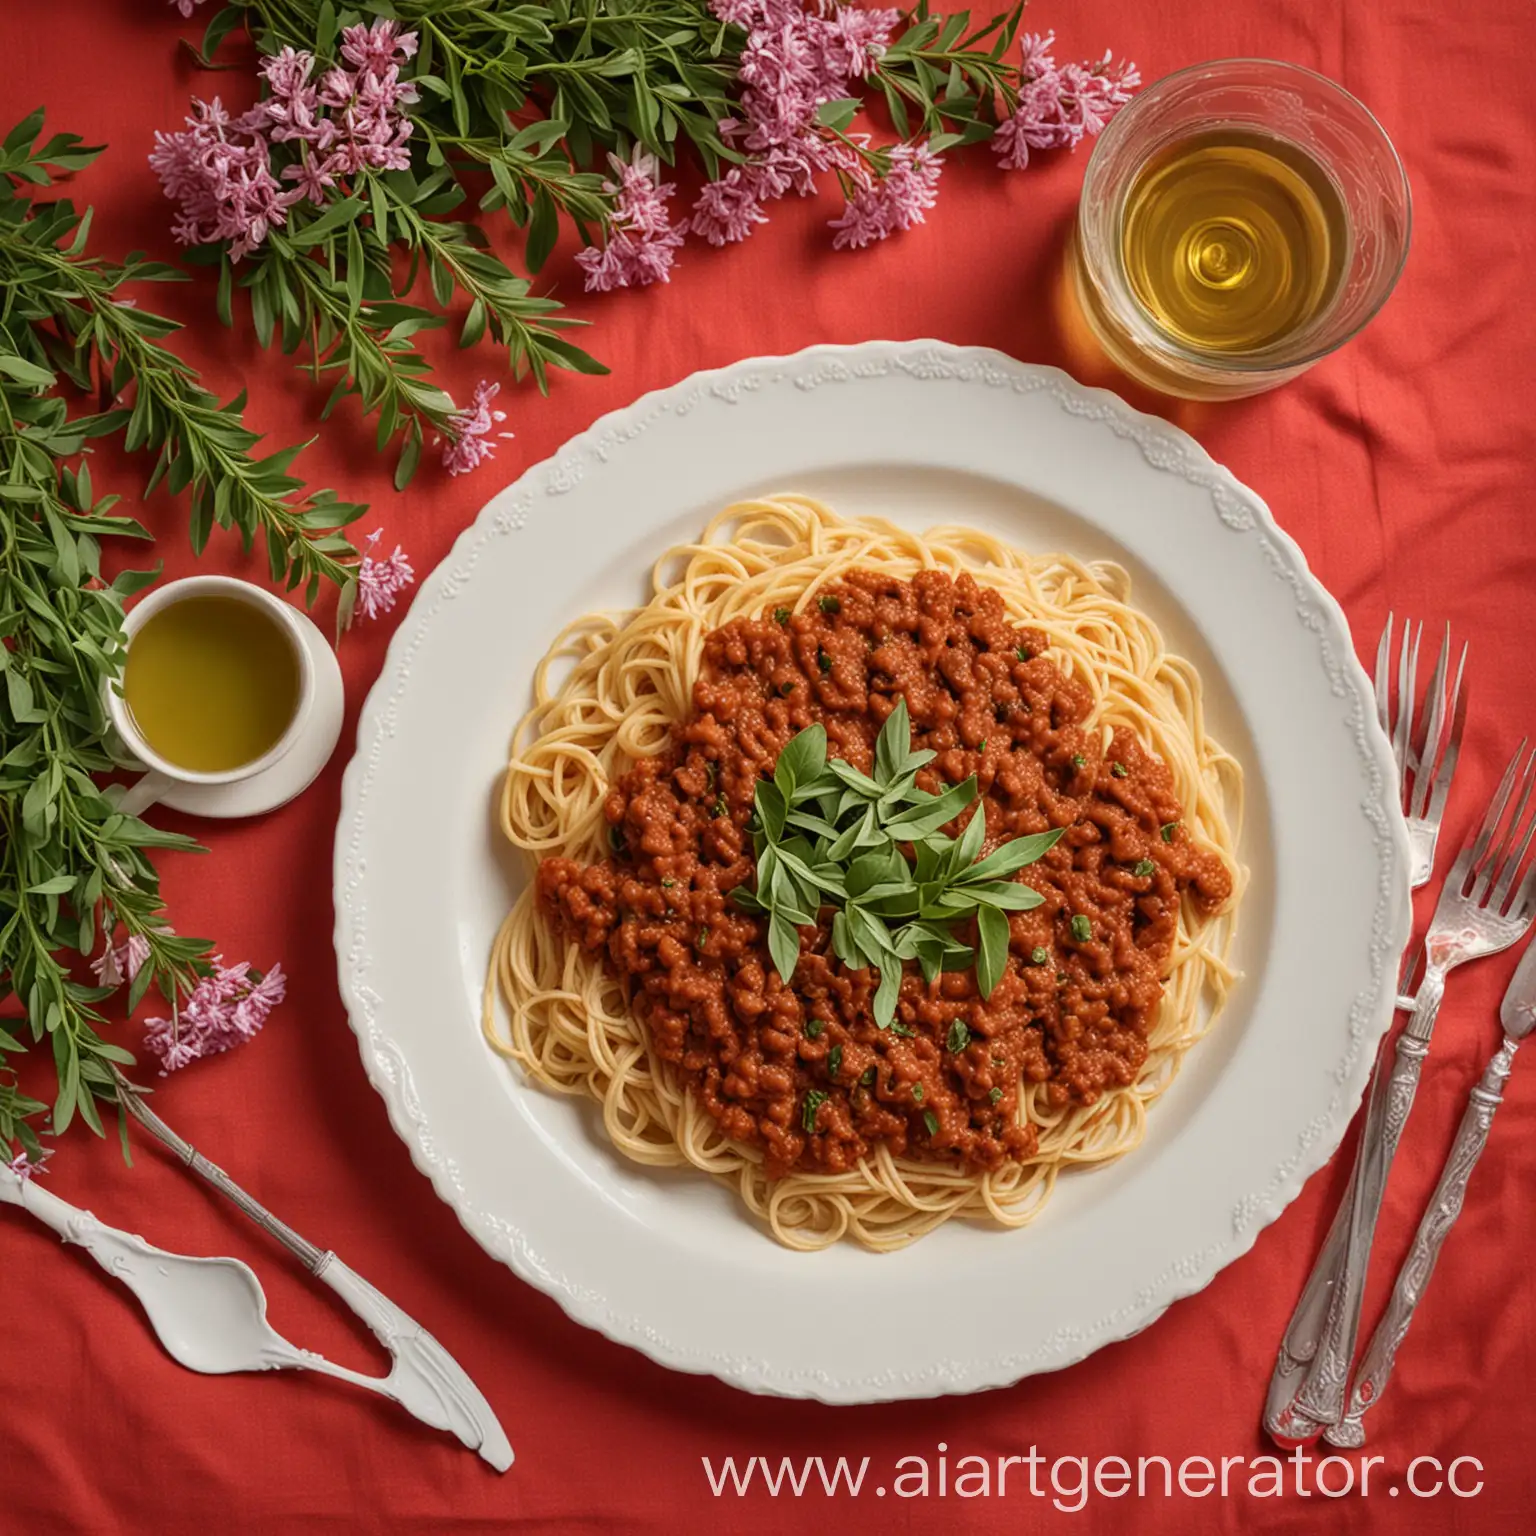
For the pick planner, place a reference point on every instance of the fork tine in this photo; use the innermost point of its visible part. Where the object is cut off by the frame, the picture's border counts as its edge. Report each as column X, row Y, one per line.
column 1501, row 890
column 1434, row 724
column 1384, row 684
column 1474, row 852
column 1486, row 864
column 1499, row 859
column 1442, row 781
column 1523, row 908
column 1407, row 666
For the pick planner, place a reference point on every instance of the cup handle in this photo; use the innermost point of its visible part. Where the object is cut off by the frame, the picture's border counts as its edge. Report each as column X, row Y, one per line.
column 144, row 792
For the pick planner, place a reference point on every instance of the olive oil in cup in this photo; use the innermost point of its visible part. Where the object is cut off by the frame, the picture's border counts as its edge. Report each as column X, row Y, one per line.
column 216, row 687
column 1238, row 221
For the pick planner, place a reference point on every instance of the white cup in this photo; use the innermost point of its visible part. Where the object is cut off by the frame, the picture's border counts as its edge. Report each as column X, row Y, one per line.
column 163, row 774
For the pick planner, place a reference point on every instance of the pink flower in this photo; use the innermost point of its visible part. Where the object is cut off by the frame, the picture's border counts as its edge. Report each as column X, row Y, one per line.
column 469, row 430
column 186, row 7
column 794, row 166
column 642, row 240
column 112, row 967
column 225, row 1009
column 853, row 40
column 287, row 72
column 898, row 200
column 225, row 187
column 741, row 13
column 1060, row 105
column 312, row 176
column 728, row 209
column 23, row 1166
column 220, row 170
column 380, row 582
column 375, row 47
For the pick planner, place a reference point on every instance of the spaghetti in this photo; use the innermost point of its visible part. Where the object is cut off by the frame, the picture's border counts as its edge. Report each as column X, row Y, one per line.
column 614, row 693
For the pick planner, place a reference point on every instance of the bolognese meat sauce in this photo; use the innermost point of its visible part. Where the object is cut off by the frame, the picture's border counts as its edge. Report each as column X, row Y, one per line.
column 800, row 1068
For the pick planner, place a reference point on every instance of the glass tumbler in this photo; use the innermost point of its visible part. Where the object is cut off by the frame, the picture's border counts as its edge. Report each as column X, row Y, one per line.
column 1260, row 97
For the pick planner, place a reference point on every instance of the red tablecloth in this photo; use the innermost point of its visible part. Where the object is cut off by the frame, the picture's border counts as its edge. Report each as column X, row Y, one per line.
column 1402, row 466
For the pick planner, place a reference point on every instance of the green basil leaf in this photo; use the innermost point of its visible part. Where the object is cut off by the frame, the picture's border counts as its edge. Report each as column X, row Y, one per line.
column 860, row 783
column 807, row 821
column 803, row 757
column 771, row 809
column 888, row 990
column 969, row 847
column 893, row 744
column 992, row 930
column 1012, row 855
column 935, row 812
column 783, row 945
column 842, row 942
column 1006, row 894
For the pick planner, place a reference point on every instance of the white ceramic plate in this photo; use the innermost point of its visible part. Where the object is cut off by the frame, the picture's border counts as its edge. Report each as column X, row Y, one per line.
column 923, row 433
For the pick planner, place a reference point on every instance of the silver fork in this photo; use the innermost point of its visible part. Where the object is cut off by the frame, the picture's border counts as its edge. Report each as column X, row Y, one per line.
column 1518, row 1015
column 1426, row 755
column 1481, row 911
column 1426, row 759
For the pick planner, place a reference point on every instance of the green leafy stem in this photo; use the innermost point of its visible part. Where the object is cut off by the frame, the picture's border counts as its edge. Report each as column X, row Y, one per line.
column 75, row 871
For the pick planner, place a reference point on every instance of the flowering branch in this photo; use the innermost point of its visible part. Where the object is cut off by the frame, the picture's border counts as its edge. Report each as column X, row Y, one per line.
column 368, row 134
column 303, row 195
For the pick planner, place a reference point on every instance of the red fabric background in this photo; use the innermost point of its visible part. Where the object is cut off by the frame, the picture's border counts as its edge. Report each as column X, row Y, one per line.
column 1402, row 466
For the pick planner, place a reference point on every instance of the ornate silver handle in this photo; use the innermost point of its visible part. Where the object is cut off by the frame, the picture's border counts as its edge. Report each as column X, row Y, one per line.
column 1305, row 1329
column 1413, row 1279
column 1319, row 1397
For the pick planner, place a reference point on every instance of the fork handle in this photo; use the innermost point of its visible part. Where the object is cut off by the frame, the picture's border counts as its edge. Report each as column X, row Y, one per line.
column 1305, row 1330
column 1413, row 1279
column 1320, row 1397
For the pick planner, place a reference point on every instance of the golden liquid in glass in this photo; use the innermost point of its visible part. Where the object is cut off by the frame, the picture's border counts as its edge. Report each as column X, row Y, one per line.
column 211, row 682
column 1233, row 241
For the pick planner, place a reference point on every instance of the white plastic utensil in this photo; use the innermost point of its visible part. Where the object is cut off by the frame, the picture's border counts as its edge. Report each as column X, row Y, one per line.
column 211, row 1316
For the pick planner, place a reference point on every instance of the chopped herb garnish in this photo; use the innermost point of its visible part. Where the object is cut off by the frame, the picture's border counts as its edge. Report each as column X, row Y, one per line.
column 931, row 1120
column 1022, row 652
column 834, row 1062
column 781, row 615
column 867, row 1078
column 995, row 1095
column 1144, row 867
column 1169, row 829
column 1078, row 760
column 917, row 1093
column 814, row 1099
column 903, row 1031
column 785, row 689
column 829, row 604
column 1082, row 929
column 668, row 883
column 719, row 808
column 997, row 1061
column 823, row 660
column 813, row 1028
column 701, row 938
column 959, row 1036
column 1119, row 770
column 981, row 746
column 1039, row 955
